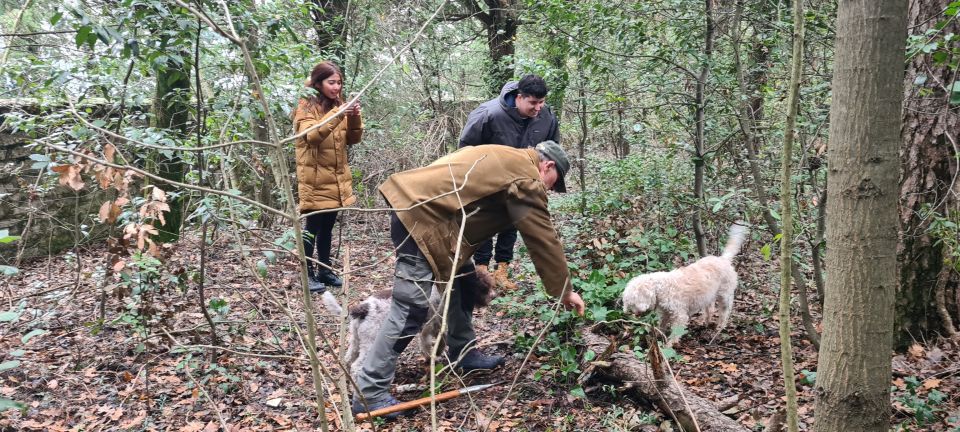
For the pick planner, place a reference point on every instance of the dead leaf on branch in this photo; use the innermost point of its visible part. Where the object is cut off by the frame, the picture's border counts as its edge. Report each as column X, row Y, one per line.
column 69, row 176
column 159, row 195
column 143, row 235
column 154, row 210
column 104, row 175
column 142, row 232
column 122, row 180
column 109, row 211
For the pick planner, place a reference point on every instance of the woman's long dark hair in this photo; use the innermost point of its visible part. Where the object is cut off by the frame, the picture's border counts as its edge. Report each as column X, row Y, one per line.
column 322, row 71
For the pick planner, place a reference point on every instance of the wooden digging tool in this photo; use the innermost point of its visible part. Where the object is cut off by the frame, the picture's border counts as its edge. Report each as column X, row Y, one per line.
column 423, row 401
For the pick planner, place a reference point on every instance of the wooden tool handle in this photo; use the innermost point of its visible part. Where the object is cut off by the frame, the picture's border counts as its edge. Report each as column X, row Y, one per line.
column 407, row 405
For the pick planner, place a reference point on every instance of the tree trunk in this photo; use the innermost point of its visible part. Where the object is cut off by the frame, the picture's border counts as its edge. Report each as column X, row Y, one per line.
column 172, row 112
column 786, row 201
column 751, row 111
column 499, row 20
column 928, row 156
column 818, row 240
column 582, row 148
column 699, row 137
column 502, row 28
column 264, row 188
column 329, row 18
column 556, row 54
column 621, row 147
column 853, row 380
column 5, row 51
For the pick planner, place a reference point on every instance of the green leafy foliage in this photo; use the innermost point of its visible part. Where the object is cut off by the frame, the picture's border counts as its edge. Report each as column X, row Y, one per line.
column 617, row 247
column 6, row 404
column 925, row 408
column 946, row 230
column 138, row 286
column 942, row 48
column 219, row 306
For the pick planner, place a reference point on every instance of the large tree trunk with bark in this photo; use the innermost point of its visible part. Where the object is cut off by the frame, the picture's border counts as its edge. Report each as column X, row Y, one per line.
column 929, row 169
column 171, row 111
column 853, row 379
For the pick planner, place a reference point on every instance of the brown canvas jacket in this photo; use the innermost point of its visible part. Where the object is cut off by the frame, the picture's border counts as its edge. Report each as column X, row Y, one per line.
column 500, row 187
column 324, row 180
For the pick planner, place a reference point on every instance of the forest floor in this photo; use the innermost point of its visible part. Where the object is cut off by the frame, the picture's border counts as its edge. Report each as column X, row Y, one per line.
column 139, row 368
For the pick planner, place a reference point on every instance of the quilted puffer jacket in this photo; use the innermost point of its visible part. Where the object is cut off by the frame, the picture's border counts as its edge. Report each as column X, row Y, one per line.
column 324, row 180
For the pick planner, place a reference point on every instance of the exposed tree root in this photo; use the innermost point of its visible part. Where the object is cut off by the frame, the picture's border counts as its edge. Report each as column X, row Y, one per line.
column 652, row 383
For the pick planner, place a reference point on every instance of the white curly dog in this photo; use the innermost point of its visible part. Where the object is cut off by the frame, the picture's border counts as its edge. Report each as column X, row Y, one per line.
column 706, row 285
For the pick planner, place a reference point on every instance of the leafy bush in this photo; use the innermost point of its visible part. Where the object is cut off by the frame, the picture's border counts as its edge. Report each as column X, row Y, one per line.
column 924, row 408
column 608, row 246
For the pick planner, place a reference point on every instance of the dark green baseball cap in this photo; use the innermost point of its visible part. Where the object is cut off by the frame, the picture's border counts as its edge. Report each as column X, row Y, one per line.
column 554, row 152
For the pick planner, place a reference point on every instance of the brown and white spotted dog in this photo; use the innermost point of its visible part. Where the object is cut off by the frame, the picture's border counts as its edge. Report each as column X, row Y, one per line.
column 367, row 316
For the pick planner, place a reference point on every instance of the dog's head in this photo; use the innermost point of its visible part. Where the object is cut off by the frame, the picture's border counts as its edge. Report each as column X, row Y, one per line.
column 360, row 310
column 638, row 297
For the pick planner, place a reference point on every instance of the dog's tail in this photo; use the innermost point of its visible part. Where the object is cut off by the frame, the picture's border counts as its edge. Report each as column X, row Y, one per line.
column 330, row 301
column 738, row 232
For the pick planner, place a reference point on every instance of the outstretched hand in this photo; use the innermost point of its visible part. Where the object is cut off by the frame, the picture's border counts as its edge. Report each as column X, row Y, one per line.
column 354, row 109
column 572, row 300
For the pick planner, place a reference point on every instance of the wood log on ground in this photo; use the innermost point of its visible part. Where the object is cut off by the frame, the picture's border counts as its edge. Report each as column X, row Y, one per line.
column 667, row 394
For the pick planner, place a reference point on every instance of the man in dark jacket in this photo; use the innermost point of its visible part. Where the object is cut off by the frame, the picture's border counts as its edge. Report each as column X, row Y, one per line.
column 442, row 211
column 518, row 118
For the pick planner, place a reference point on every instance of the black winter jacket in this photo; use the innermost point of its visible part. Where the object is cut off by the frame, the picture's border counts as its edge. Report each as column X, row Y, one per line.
column 497, row 122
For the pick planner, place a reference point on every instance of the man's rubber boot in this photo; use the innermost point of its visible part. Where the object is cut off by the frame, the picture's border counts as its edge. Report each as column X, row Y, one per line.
column 358, row 407
column 502, row 278
column 477, row 360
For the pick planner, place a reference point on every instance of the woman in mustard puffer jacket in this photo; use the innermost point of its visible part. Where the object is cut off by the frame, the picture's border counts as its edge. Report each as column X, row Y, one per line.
column 323, row 177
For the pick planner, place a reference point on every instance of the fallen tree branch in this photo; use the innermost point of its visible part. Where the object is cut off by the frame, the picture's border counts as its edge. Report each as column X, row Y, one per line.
column 668, row 395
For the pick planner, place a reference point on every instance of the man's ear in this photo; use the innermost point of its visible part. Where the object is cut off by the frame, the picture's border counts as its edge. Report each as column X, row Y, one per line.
column 543, row 167
column 547, row 164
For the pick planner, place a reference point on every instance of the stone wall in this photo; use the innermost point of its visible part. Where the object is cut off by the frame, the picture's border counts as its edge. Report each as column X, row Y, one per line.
column 49, row 217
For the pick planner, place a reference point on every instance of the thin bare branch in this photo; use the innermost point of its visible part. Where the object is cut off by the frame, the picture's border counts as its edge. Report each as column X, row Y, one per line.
column 86, row 123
